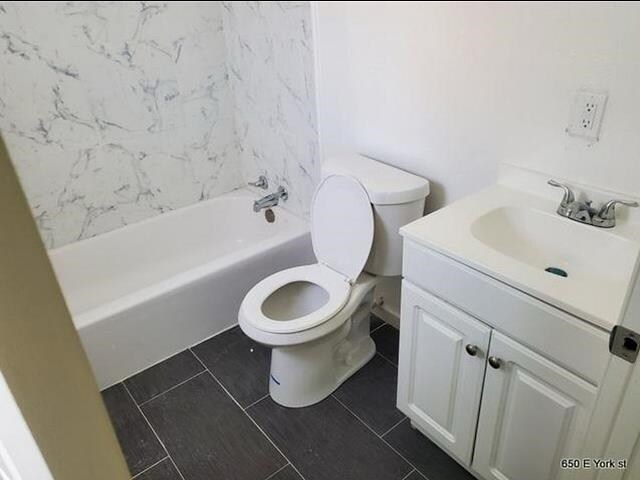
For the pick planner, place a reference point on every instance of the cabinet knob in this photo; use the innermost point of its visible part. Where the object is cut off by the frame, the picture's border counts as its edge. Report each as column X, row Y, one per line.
column 471, row 349
column 495, row 362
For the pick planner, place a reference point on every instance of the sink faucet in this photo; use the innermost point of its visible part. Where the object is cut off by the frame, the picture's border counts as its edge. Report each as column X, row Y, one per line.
column 583, row 212
column 270, row 200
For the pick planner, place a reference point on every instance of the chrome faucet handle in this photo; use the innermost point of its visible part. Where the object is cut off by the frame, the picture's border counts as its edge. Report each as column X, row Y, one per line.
column 282, row 192
column 568, row 197
column 262, row 183
column 608, row 210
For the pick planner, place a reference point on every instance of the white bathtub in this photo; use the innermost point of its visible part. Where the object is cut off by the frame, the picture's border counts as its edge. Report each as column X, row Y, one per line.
column 147, row 291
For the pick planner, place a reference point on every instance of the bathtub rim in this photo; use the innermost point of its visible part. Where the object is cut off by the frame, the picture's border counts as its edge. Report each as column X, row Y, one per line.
column 118, row 305
column 240, row 193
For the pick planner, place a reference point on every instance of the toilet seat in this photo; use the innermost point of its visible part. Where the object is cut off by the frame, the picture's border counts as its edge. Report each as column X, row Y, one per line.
column 341, row 234
column 334, row 284
column 342, row 225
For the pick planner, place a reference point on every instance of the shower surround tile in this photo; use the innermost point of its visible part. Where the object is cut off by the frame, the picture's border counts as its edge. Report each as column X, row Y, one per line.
column 270, row 58
column 115, row 111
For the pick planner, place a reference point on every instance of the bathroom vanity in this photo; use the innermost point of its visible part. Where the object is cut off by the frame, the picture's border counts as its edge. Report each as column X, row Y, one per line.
column 505, row 327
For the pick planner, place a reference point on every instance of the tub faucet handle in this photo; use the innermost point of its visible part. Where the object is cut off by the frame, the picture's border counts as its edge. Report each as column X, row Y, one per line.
column 262, row 183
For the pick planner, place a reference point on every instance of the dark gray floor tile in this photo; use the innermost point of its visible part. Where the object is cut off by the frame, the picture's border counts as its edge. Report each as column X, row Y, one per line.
column 161, row 377
column 140, row 446
column 425, row 455
column 208, row 436
column 371, row 395
column 326, row 442
column 375, row 322
column 240, row 364
column 387, row 341
column 162, row 471
column 287, row 473
column 414, row 476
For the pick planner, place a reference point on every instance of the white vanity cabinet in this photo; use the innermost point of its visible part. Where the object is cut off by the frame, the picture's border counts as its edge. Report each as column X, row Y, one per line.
column 441, row 369
column 478, row 377
column 533, row 414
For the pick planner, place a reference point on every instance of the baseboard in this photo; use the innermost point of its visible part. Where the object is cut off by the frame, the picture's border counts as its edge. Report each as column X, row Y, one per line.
column 388, row 316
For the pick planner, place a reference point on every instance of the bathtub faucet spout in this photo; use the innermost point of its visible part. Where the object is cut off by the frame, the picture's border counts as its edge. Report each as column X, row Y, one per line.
column 270, row 200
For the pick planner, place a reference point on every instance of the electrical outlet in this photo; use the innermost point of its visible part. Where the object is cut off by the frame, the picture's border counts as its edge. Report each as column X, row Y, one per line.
column 586, row 115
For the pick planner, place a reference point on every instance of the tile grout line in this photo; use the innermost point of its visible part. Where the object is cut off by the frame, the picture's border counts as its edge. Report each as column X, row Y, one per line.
column 176, row 467
column 394, row 426
column 244, row 410
column 404, row 417
column 257, row 401
column 249, row 416
column 150, row 466
column 278, row 471
column 373, row 431
column 409, row 474
column 385, row 358
column 266, row 436
column 420, row 475
column 154, row 431
column 377, row 328
column 170, row 388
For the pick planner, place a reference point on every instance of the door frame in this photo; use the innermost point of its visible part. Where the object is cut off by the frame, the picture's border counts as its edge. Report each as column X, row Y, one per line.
column 615, row 425
column 625, row 434
column 20, row 456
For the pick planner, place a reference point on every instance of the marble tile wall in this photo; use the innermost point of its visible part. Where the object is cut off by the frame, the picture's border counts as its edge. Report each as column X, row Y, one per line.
column 270, row 60
column 117, row 111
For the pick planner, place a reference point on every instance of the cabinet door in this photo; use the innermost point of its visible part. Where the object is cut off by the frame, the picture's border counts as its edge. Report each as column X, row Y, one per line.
column 533, row 414
column 441, row 369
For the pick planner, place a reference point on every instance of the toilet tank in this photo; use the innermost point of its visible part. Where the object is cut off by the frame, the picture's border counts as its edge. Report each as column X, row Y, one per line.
column 397, row 198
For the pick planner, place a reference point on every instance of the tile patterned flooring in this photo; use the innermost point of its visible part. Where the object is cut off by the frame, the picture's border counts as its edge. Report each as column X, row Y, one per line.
column 205, row 414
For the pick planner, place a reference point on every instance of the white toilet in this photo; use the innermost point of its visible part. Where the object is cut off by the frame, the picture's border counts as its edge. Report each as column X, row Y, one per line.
column 316, row 317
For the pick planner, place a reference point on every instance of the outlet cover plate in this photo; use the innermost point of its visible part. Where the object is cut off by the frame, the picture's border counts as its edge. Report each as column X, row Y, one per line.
column 587, row 112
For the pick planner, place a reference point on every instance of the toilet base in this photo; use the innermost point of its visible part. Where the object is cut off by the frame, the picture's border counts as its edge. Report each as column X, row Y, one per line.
column 302, row 375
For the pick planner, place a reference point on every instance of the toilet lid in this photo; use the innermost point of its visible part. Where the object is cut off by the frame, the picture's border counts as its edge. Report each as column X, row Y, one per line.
column 342, row 225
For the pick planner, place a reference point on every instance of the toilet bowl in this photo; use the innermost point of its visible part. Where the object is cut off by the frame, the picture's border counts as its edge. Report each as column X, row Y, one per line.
column 316, row 317
column 308, row 365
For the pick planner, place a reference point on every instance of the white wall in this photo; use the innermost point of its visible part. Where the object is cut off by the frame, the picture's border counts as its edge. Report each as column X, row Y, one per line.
column 450, row 90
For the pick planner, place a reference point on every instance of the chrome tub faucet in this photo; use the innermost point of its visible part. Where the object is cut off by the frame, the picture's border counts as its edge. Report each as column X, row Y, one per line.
column 271, row 200
column 583, row 212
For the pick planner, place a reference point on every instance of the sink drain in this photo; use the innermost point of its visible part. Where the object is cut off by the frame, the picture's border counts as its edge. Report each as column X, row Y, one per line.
column 557, row 271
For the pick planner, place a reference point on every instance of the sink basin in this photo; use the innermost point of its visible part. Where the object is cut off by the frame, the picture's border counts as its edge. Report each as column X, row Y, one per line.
column 518, row 239
column 554, row 244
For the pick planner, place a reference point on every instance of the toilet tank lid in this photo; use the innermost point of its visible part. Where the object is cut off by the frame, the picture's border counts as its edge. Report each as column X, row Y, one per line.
column 385, row 185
